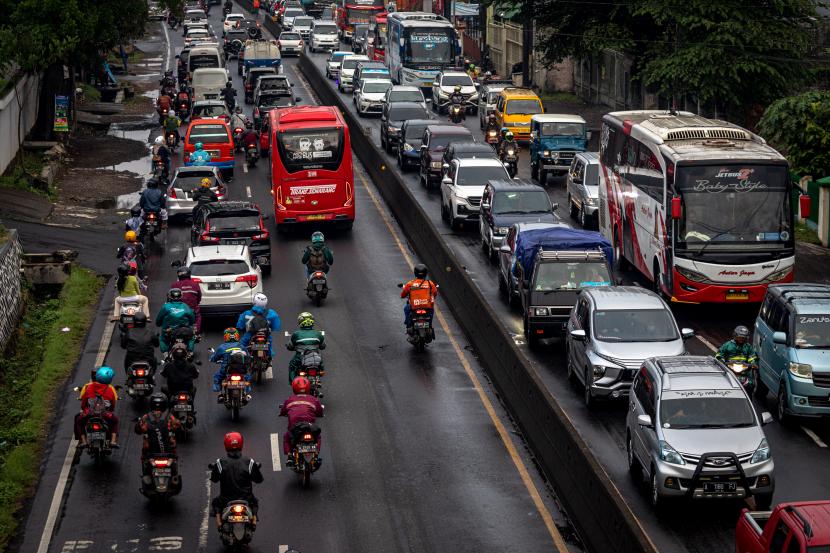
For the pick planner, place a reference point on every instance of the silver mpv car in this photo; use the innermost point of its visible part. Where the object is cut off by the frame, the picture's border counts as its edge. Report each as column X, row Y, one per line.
column 694, row 432
column 611, row 331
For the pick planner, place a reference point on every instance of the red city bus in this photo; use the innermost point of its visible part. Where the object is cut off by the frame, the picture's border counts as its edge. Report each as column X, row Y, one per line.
column 356, row 11
column 376, row 47
column 312, row 176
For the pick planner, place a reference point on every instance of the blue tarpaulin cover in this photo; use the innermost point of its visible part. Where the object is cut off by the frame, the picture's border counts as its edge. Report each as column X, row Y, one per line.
column 530, row 242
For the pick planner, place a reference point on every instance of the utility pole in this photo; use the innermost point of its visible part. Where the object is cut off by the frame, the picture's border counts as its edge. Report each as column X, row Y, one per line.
column 527, row 42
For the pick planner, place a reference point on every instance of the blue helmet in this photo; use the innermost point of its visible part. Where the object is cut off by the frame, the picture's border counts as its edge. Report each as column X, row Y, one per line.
column 198, row 146
column 104, row 375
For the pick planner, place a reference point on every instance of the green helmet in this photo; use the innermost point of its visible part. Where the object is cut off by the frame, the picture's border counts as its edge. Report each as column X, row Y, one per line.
column 317, row 239
column 508, row 135
column 305, row 320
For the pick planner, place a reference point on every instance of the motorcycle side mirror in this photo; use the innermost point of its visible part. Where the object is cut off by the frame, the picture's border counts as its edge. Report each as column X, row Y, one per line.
column 400, row 285
column 176, row 264
column 687, row 333
column 298, row 99
column 287, row 334
column 534, row 135
column 76, row 389
column 211, row 350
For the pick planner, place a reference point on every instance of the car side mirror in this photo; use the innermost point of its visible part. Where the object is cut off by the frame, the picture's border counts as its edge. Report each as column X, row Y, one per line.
column 779, row 337
column 766, row 418
column 554, row 206
column 578, row 334
column 298, row 99
column 176, row 264
column 687, row 333
column 423, row 147
column 645, row 421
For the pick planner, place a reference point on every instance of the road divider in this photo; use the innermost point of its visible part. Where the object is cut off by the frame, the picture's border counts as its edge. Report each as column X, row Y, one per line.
column 597, row 509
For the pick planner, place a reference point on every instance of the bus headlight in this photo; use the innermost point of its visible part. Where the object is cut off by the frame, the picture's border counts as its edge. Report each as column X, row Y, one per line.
column 694, row 276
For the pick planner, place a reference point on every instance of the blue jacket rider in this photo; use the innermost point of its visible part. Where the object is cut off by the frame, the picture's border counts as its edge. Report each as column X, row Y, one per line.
column 175, row 314
column 260, row 308
column 199, row 156
column 222, row 355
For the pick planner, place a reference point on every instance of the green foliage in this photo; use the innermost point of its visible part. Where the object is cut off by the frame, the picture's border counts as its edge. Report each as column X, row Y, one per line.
column 22, row 175
column 800, row 126
column 31, row 377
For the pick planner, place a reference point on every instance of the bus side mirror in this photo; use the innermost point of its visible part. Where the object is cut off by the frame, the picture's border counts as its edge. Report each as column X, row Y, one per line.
column 676, row 208
column 804, row 205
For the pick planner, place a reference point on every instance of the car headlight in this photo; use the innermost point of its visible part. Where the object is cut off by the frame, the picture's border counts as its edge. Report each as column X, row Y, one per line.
column 669, row 455
column 599, row 371
column 546, row 153
column 591, row 201
column 502, row 231
column 393, row 130
column 541, row 311
column 435, row 164
column 407, row 146
column 762, row 453
column 554, row 156
column 691, row 275
column 801, row 370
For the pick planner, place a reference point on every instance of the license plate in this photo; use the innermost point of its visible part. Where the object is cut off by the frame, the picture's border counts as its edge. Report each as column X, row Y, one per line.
column 140, row 386
column 259, row 347
column 737, row 296
column 234, row 242
column 235, row 384
column 182, row 407
column 318, row 281
column 720, row 487
column 219, row 285
column 421, row 324
column 307, row 448
column 237, row 518
column 163, row 472
column 92, row 436
column 315, row 217
column 127, row 319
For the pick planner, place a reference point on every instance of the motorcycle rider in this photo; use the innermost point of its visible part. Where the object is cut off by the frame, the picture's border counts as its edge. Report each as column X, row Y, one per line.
column 199, row 156
column 236, row 475
column 203, row 194
column 183, row 96
column 179, row 372
column 249, row 136
column 154, row 200
column 305, row 336
column 164, row 102
column 140, row 343
column 172, row 124
column 301, row 406
column 161, row 153
column 136, row 222
column 99, row 390
column 492, row 124
column 456, row 98
column 738, row 349
column 419, row 292
column 167, row 79
column 158, row 427
column 228, row 94
column 257, row 318
column 128, row 291
column 191, row 293
column 132, row 252
column 222, row 355
column 228, row 6
column 317, row 256
column 238, row 119
column 173, row 315
column 508, row 142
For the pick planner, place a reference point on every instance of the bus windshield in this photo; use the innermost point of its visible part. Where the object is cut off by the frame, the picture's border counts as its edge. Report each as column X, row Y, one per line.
column 430, row 46
column 734, row 204
column 311, row 149
column 358, row 16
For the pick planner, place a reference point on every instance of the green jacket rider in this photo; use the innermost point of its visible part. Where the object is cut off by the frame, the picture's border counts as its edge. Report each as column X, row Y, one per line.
column 738, row 348
column 305, row 337
column 174, row 314
column 317, row 256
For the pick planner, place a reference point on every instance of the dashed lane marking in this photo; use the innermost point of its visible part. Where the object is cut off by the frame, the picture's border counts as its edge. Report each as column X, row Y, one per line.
column 276, row 449
column 245, row 169
column 706, row 342
column 282, row 549
column 815, row 437
column 204, row 527
column 547, row 518
column 248, row 190
column 269, row 372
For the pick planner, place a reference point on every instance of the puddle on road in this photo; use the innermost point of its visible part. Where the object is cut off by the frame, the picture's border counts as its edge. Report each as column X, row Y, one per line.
column 139, row 131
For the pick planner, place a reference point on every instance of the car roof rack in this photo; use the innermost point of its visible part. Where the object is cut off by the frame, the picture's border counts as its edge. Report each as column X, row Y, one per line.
column 689, row 364
column 585, row 255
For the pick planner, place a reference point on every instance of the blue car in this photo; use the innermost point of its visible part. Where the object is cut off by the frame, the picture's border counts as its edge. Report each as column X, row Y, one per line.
column 412, row 134
column 554, row 141
column 792, row 341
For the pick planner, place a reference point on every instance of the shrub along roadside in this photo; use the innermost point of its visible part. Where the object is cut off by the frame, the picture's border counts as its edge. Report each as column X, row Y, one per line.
column 31, row 376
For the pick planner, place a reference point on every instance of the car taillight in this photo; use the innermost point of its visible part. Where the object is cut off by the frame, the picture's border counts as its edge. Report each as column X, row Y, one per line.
column 251, row 280
column 140, row 372
column 206, row 237
column 235, row 378
column 263, row 235
column 349, row 195
column 171, row 193
column 96, row 426
column 161, row 462
column 196, row 280
column 278, row 200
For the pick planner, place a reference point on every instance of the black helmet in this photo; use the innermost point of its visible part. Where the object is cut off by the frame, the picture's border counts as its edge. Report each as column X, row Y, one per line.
column 175, row 294
column 152, row 183
column 420, row 270
column 178, row 352
column 158, row 402
column 135, row 211
column 183, row 86
column 183, row 272
column 229, row 84
column 140, row 319
column 123, row 270
column 740, row 332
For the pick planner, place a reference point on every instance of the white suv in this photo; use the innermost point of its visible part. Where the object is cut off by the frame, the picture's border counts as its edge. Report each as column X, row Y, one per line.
column 230, row 21
column 444, row 85
column 347, row 68
column 369, row 98
column 323, row 36
column 227, row 276
column 462, row 187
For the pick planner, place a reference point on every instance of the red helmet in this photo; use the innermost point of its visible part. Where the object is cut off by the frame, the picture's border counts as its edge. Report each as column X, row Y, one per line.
column 300, row 385
column 233, row 441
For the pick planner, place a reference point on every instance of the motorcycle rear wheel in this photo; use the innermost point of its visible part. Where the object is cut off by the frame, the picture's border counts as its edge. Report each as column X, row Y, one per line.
column 235, row 414
column 305, row 477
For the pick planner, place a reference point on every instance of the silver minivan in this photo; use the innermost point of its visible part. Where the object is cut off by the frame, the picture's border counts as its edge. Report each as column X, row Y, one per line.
column 582, row 186
column 611, row 331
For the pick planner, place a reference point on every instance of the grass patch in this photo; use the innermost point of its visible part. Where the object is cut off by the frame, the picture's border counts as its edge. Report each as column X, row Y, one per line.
column 4, row 234
column 44, row 358
column 22, row 173
column 91, row 94
column 114, row 57
column 804, row 233
column 564, row 97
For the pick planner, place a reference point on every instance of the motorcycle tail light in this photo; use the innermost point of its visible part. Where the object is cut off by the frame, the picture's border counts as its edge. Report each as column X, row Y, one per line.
column 307, row 437
column 318, row 274
column 235, row 378
column 161, row 462
column 140, row 372
column 96, row 426
column 182, row 397
column 312, row 372
column 421, row 312
column 151, row 216
column 238, row 509
column 237, row 130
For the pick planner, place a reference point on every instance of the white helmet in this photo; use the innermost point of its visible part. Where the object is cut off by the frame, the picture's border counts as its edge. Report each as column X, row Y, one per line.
column 261, row 300
column 159, row 140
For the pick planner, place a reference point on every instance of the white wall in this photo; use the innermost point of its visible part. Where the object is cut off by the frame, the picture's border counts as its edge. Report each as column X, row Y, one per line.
column 10, row 117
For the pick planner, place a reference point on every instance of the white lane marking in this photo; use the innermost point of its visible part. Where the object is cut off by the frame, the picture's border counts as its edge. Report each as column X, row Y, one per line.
column 269, row 373
column 814, row 436
column 60, row 487
column 282, row 549
column 76, row 545
column 204, row 527
column 245, row 169
column 276, row 450
column 248, row 191
column 167, row 543
column 167, row 56
column 706, row 342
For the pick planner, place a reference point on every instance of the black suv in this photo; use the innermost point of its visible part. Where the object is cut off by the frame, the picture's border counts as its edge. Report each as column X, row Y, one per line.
column 469, row 150
column 392, row 119
column 438, row 138
column 252, row 78
column 233, row 223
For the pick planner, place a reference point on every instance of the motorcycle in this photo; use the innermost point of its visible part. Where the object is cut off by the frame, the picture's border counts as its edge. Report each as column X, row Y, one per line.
column 492, row 136
column 181, row 335
column 226, row 10
column 237, row 138
column 230, row 101
column 183, row 109
column 510, row 159
column 172, row 21
column 127, row 318
column 746, row 374
column 153, row 223
column 161, row 480
column 317, row 287
column 260, row 354
column 312, row 363
column 233, row 391
column 305, row 451
column 251, row 155
column 172, row 140
column 163, row 113
column 456, row 113
column 182, row 407
column 160, row 171
column 140, row 379
column 237, row 527
column 422, row 331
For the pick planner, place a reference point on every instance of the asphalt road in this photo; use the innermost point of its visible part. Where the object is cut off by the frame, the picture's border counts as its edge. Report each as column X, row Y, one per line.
column 800, row 451
column 419, row 455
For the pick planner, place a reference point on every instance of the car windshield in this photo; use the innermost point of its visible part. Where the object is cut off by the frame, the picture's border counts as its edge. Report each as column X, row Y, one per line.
column 570, row 276
column 290, row 36
column 293, row 12
column 523, row 107
column 406, row 96
column 190, row 180
column 234, row 221
column 337, row 57
column 812, row 331
column 219, row 267
column 325, row 29
column 212, row 79
column 521, row 202
column 706, row 409
column 404, row 113
column 209, row 134
column 415, row 132
column 377, row 87
column 302, row 21
column 213, row 110
column 351, row 63
column 457, row 80
column 562, row 129
column 441, row 141
column 493, row 96
column 634, row 325
column 275, row 100
column 478, row 176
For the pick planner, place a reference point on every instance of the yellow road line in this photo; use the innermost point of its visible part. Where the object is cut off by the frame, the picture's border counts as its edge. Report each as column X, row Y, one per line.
column 561, row 547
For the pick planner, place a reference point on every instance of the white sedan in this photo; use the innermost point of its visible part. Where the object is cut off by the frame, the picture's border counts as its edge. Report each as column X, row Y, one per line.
column 369, row 97
column 228, row 277
column 230, row 21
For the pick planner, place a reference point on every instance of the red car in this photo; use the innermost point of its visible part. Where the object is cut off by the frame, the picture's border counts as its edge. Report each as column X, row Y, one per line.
column 798, row 527
column 216, row 139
